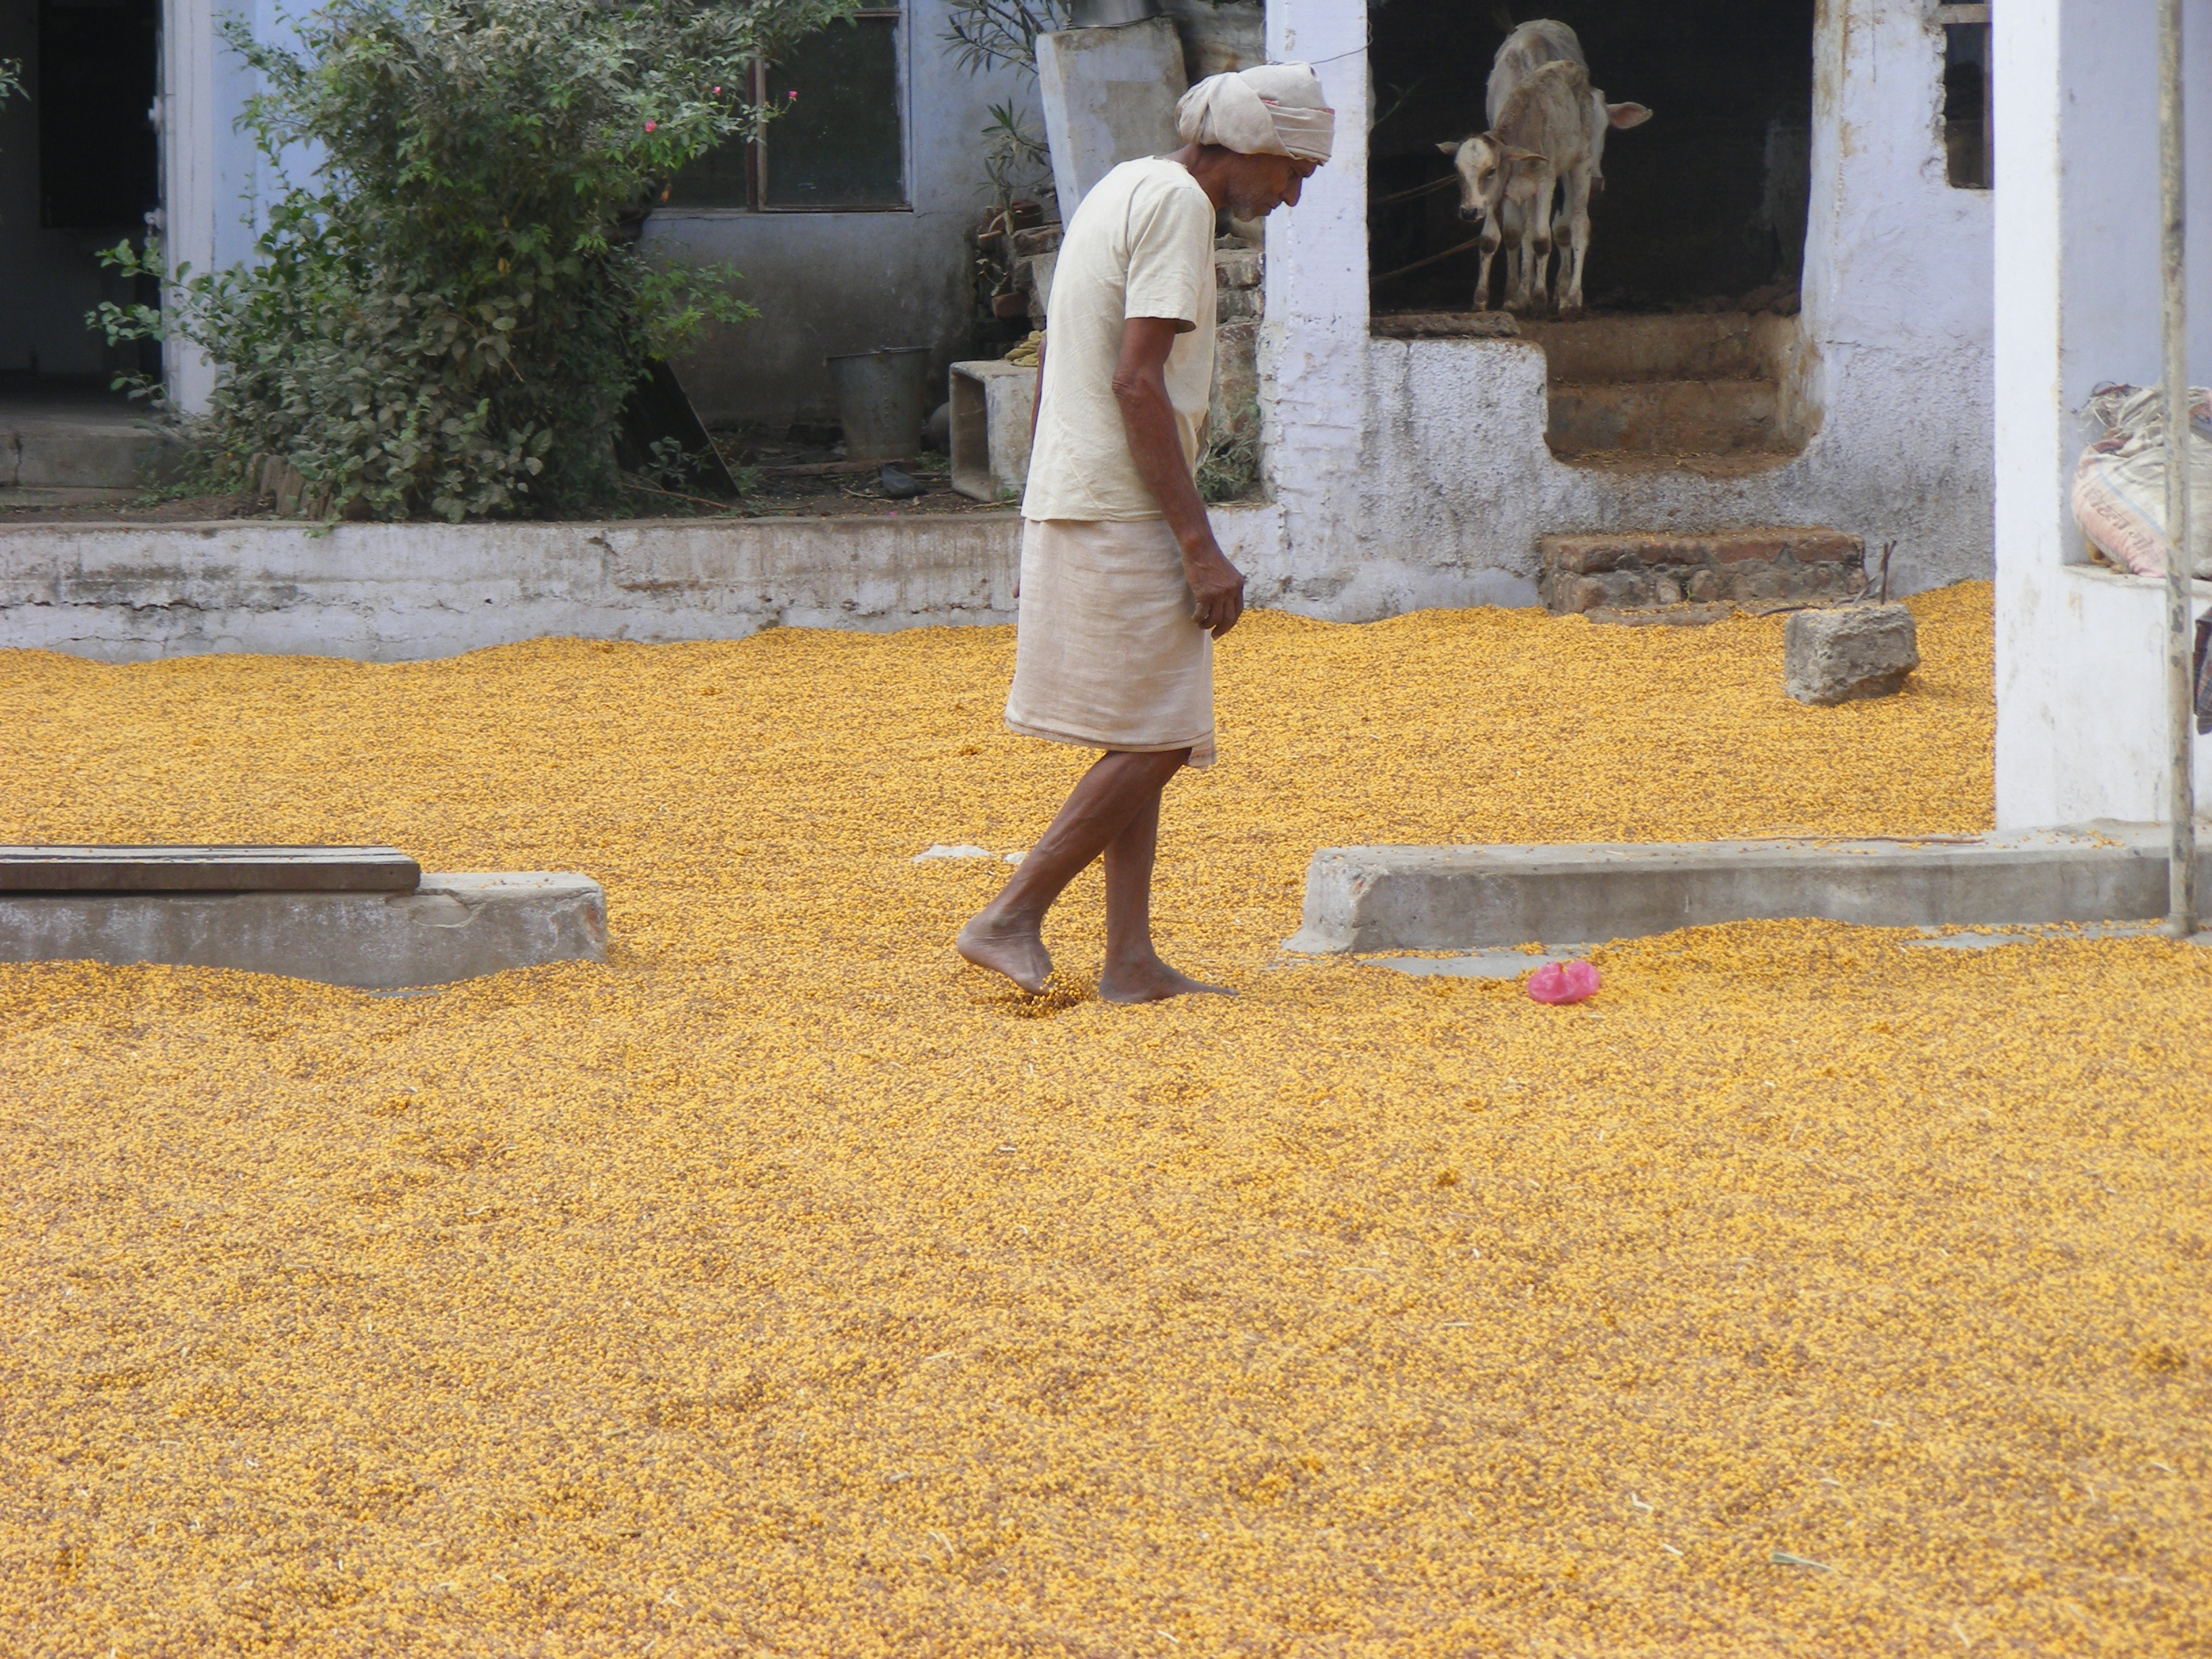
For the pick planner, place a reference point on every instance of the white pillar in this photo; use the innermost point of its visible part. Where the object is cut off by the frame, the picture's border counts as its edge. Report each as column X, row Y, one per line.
column 190, row 162
column 1312, row 344
column 210, row 180
column 2079, row 655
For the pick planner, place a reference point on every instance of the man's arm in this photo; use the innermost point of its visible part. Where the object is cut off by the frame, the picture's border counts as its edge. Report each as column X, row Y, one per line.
column 1140, row 388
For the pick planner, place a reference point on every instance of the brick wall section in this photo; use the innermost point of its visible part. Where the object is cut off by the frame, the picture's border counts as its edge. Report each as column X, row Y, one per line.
column 1635, row 572
column 1237, row 272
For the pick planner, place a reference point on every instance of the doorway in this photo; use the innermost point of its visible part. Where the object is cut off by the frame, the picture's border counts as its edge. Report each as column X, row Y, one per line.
column 79, row 171
column 1701, row 205
column 1696, row 236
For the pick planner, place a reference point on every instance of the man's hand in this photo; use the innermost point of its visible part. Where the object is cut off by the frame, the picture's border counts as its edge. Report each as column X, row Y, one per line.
column 1215, row 584
column 1140, row 388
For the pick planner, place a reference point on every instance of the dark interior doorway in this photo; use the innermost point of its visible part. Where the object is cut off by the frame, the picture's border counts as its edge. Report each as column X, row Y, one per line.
column 1703, row 204
column 79, row 171
column 98, row 163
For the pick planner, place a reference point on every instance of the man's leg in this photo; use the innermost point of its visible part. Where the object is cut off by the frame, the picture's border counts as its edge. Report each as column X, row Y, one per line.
column 1134, row 972
column 1005, row 935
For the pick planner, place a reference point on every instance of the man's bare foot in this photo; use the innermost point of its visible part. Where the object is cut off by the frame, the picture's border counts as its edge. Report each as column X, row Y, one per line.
column 1152, row 982
column 1014, row 949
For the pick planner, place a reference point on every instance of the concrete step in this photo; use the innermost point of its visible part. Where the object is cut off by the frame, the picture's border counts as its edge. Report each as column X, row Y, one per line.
column 1639, row 571
column 1468, row 898
column 1674, row 416
column 62, row 453
column 1729, row 345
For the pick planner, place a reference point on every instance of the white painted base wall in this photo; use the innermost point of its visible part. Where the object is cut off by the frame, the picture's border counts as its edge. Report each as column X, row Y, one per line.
column 399, row 593
column 2084, row 711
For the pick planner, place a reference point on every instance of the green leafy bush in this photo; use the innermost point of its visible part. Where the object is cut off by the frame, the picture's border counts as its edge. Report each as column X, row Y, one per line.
column 449, row 317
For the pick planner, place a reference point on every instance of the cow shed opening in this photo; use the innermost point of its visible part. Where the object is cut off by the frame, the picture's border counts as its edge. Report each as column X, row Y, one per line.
column 1705, row 202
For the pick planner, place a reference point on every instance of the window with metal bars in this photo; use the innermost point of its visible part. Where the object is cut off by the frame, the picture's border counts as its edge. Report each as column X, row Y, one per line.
column 837, row 143
column 1969, row 136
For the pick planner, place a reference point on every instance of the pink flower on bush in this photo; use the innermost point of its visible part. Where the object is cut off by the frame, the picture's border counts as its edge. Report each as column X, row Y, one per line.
column 650, row 126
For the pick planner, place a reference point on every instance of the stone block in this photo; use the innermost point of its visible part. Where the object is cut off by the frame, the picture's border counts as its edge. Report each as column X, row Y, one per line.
column 1236, row 305
column 1236, row 268
column 1836, row 656
column 1110, row 96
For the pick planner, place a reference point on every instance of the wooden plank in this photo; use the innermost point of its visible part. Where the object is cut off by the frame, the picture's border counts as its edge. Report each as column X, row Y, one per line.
column 207, row 870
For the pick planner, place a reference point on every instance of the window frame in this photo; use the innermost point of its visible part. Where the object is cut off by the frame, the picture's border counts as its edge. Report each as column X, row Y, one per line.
column 1969, row 14
column 758, row 152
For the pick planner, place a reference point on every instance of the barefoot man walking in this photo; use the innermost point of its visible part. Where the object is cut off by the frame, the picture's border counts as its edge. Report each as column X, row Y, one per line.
column 1123, row 588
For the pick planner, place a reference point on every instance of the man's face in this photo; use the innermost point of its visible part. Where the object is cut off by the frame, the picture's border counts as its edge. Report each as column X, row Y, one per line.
column 1258, row 185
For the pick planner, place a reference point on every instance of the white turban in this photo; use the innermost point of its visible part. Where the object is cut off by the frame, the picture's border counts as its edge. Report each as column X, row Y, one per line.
column 1274, row 109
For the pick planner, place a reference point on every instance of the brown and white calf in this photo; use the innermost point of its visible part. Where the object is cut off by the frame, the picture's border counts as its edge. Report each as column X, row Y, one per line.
column 1547, row 132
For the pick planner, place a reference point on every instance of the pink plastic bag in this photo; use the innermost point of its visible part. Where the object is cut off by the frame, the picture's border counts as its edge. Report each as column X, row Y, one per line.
column 1557, row 982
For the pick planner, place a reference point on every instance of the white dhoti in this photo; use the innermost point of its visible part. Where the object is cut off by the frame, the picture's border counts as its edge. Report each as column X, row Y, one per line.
column 1106, row 654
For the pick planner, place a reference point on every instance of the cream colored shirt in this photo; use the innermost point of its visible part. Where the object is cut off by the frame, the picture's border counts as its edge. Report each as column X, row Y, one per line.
column 1141, row 245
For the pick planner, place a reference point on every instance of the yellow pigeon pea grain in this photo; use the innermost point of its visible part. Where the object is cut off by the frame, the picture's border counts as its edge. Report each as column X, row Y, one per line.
column 784, row 1286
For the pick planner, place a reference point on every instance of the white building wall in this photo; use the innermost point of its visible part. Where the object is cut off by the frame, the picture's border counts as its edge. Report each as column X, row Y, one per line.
column 828, row 282
column 1415, row 473
column 825, row 282
column 2082, row 724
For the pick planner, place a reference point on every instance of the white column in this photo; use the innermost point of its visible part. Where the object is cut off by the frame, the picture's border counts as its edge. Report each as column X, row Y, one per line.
column 190, row 123
column 1313, row 345
column 2079, row 663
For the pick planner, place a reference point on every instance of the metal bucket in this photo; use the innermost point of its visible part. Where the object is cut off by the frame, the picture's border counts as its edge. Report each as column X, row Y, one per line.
column 883, row 398
column 1110, row 14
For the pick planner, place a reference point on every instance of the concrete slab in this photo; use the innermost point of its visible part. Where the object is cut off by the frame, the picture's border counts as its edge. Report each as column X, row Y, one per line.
column 1433, row 898
column 450, row 928
column 206, row 869
column 2041, row 936
column 993, row 406
column 1483, row 964
column 1109, row 96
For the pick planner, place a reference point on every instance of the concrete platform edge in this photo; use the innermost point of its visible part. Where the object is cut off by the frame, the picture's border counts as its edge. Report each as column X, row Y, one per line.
column 451, row 927
column 1432, row 898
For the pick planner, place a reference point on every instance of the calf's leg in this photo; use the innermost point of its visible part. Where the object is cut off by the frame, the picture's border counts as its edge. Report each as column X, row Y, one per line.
column 1489, row 253
column 1540, row 226
column 1578, row 222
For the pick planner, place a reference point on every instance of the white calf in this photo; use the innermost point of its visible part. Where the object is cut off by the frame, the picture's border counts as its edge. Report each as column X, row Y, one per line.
column 1548, row 132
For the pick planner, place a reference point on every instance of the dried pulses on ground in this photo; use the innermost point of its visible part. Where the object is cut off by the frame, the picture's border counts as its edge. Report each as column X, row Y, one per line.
column 780, row 1287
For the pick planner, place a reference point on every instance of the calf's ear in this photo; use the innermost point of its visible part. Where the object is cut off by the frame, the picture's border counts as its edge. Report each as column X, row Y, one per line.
column 1524, row 155
column 1628, row 115
column 1449, row 147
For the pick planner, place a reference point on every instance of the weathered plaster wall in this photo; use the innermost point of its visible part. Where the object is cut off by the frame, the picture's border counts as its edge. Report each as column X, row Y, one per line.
column 1415, row 473
column 830, row 282
column 2082, row 724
